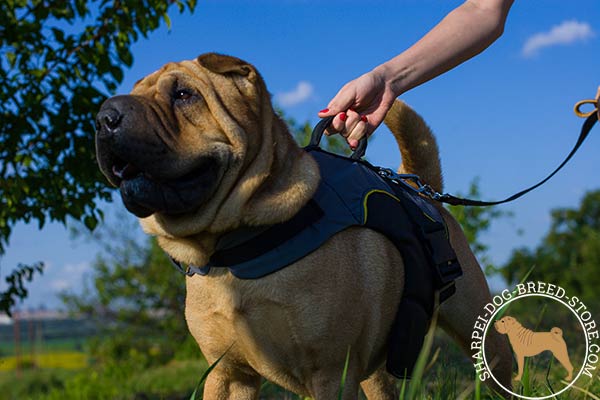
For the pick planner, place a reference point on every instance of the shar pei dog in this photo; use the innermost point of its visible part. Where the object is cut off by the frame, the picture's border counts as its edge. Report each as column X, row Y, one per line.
column 527, row 343
column 197, row 151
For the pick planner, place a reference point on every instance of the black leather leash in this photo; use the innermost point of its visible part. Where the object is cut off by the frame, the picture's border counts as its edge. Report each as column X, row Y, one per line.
column 458, row 201
column 426, row 190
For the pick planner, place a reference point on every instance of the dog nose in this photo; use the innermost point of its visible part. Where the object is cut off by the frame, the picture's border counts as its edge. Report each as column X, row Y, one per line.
column 107, row 121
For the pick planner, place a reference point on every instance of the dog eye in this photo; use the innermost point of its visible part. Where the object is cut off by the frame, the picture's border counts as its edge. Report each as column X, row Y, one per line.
column 183, row 94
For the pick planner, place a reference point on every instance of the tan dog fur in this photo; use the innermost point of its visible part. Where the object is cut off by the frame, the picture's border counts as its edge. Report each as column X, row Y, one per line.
column 292, row 327
column 527, row 343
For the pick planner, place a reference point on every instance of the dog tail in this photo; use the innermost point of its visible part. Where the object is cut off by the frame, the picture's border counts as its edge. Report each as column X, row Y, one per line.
column 556, row 331
column 418, row 147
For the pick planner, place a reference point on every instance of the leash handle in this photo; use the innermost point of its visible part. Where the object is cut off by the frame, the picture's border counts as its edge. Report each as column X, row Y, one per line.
column 319, row 129
column 581, row 114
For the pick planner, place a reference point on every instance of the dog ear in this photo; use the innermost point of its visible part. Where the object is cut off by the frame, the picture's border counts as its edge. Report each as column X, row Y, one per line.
column 227, row 65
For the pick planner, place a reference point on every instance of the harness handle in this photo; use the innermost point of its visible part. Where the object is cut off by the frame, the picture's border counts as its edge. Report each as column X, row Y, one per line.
column 319, row 129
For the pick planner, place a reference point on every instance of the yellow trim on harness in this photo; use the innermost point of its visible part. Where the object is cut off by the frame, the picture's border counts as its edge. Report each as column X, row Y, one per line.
column 366, row 198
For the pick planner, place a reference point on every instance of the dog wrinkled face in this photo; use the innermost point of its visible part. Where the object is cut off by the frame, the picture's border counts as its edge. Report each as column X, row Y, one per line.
column 504, row 324
column 161, row 146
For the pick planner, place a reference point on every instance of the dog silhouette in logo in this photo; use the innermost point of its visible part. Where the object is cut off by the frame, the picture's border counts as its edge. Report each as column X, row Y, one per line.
column 527, row 343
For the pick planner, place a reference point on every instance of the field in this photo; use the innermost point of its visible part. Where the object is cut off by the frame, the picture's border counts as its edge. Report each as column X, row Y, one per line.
column 61, row 369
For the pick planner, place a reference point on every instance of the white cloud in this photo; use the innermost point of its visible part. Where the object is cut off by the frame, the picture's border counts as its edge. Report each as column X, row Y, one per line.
column 566, row 33
column 69, row 276
column 302, row 92
column 58, row 285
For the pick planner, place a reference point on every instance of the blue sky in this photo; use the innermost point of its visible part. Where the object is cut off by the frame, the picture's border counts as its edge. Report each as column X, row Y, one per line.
column 504, row 117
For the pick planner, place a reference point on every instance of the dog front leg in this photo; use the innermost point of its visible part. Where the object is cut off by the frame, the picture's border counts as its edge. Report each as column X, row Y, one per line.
column 227, row 384
column 520, row 365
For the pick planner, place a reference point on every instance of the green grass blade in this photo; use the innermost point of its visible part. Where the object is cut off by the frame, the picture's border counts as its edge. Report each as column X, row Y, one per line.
column 403, row 389
column 582, row 390
column 417, row 376
column 477, row 395
column 526, row 379
column 526, row 276
column 344, row 374
column 205, row 375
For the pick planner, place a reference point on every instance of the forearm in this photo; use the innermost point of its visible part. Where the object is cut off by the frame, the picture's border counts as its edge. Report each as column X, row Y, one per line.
column 462, row 34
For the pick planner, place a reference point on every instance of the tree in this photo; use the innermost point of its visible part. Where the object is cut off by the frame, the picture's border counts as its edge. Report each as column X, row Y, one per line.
column 134, row 296
column 476, row 221
column 60, row 60
column 569, row 254
column 302, row 134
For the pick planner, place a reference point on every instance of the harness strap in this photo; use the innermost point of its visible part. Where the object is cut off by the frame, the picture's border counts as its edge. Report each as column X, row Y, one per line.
column 585, row 130
column 269, row 239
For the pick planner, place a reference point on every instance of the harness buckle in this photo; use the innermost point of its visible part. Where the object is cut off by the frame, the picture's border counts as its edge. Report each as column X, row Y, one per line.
column 188, row 270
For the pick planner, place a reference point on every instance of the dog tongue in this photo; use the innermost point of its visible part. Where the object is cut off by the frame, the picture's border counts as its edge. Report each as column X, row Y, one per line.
column 127, row 172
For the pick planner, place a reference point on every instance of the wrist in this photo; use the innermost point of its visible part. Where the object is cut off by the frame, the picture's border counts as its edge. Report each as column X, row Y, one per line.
column 393, row 78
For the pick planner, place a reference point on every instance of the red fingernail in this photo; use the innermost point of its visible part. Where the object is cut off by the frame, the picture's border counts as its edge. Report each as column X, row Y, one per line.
column 343, row 116
column 353, row 144
column 323, row 111
column 363, row 118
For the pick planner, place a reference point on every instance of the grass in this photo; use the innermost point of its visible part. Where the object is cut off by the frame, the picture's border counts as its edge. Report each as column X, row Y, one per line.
column 443, row 372
column 450, row 376
column 172, row 381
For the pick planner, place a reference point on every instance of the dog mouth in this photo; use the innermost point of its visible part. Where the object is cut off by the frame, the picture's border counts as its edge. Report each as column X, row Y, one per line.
column 144, row 194
column 124, row 170
column 499, row 327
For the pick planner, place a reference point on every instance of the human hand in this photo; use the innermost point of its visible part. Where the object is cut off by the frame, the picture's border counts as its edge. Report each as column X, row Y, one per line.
column 360, row 107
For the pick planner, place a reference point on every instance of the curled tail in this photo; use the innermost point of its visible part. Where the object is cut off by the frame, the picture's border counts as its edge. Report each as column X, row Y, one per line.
column 418, row 147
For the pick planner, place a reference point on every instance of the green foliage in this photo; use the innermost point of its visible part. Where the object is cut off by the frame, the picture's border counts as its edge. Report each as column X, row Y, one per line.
column 136, row 297
column 174, row 380
column 59, row 60
column 475, row 221
column 16, row 287
column 569, row 253
column 302, row 132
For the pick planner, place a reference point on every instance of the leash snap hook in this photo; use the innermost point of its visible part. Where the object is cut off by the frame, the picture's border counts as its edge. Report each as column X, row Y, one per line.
column 386, row 173
column 404, row 179
column 429, row 192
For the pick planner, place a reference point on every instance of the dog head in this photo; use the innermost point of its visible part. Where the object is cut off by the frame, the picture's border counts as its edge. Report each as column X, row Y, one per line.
column 506, row 324
column 197, row 147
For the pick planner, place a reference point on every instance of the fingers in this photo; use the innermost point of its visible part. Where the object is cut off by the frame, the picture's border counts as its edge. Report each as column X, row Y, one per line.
column 358, row 132
column 350, row 125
